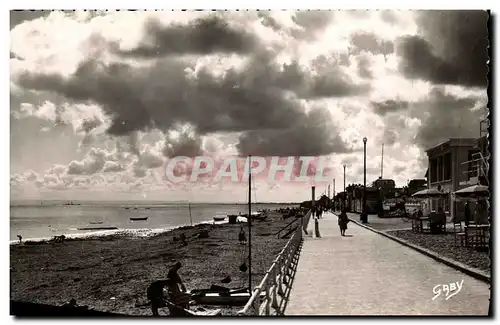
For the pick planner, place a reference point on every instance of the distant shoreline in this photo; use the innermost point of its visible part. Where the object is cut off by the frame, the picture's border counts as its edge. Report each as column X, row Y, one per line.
column 116, row 233
column 34, row 203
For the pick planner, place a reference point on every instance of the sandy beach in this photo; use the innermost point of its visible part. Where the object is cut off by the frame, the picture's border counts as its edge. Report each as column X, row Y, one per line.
column 112, row 273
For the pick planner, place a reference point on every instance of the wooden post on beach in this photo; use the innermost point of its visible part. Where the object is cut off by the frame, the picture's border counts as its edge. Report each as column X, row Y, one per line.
column 190, row 217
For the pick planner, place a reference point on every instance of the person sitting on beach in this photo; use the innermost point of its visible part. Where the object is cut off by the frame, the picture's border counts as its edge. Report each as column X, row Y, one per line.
column 242, row 236
column 20, row 238
column 174, row 276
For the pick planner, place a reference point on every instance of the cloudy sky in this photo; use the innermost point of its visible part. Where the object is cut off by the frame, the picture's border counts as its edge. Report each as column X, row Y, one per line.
column 101, row 101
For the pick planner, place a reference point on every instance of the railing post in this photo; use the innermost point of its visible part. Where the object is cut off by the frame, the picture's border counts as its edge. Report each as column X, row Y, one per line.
column 275, row 304
column 280, row 276
column 256, row 302
column 268, row 301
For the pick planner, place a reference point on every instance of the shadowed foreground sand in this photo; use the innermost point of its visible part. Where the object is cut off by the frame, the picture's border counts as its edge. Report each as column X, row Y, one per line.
column 112, row 273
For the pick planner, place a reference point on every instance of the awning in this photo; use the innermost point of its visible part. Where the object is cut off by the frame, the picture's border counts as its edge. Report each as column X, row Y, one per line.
column 430, row 193
column 473, row 191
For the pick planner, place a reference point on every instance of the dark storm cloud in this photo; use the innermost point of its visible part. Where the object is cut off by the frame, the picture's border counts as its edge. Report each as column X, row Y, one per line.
column 311, row 22
column 267, row 20
column 449, row 117
column 315, row 135
column 389, row 106
column 261, row 95
column 452, row 48
column 15, row 56
column 308, row 23
column 330, row 80
column 389, row 16
column 364, row 41
column 210, row 34
column 188, row 145
column 19, row 16
column 390, row 137
column 364, row 66
column 142, row 98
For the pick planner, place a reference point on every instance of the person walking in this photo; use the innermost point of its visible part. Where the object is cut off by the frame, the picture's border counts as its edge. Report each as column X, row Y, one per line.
column 342, row 221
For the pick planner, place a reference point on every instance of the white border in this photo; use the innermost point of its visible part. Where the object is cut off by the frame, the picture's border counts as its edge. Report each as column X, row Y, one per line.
column 190, row 4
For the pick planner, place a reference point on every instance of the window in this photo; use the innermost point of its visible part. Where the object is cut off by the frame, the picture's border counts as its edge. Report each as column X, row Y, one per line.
column 447, row 166
column 440, row 168
column 433, row 165
column 472, row 165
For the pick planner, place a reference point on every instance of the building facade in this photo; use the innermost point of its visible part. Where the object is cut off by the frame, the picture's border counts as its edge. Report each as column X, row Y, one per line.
column 450, row 170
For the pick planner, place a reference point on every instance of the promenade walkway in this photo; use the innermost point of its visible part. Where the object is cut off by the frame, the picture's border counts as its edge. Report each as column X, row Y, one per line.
column 368, row 274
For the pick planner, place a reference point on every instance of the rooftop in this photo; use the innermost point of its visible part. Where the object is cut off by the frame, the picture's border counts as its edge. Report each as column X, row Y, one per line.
column 455, row 142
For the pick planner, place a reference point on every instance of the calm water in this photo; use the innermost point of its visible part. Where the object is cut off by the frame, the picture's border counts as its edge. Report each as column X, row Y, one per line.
column 35, row 221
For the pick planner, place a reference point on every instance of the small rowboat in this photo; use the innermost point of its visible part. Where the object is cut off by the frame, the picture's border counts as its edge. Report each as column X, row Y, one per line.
column 139, row 219
column 219, row 218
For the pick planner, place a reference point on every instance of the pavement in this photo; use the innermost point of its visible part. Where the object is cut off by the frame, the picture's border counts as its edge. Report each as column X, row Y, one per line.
column 368, row 274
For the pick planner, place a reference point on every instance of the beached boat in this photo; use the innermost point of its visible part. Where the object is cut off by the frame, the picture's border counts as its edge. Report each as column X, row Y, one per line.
column 256, row 216
column 98, row 228
column 260, row 217
column 138, row 218
column 219, row 218
column 228, row 297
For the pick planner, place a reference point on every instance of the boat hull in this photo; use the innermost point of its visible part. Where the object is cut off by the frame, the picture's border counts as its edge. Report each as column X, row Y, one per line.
column 232, row 298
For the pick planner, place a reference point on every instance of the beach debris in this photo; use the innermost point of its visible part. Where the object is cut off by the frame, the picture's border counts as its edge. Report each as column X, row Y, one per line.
column 59, row 239
column 112, row 298
column 243, row 267
column 227, row 279
column 182, row 238
column 203, row 234
column 71, row 303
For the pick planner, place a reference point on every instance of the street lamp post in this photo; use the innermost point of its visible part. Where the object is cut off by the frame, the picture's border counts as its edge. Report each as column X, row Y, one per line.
column 343, row 203
column 364, row 215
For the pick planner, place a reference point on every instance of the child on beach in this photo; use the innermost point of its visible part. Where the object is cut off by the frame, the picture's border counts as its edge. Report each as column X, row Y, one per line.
column 174, row 276
column 242, row 238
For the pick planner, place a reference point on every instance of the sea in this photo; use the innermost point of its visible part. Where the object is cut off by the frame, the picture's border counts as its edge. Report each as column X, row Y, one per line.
column 36, row 220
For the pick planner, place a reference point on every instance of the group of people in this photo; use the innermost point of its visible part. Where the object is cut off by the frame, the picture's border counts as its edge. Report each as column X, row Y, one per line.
column 317, row 211
column 343, row 220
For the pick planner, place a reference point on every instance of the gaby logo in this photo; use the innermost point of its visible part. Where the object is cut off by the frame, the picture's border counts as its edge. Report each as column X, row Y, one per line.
column 204, row 166
column 449, row 290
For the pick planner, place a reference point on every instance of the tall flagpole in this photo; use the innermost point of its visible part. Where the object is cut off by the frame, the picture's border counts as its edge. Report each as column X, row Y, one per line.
column 382, row 164
column 250, row 224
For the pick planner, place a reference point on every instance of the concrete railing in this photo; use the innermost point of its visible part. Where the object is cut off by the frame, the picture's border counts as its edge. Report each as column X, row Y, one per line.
column 269, row 296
